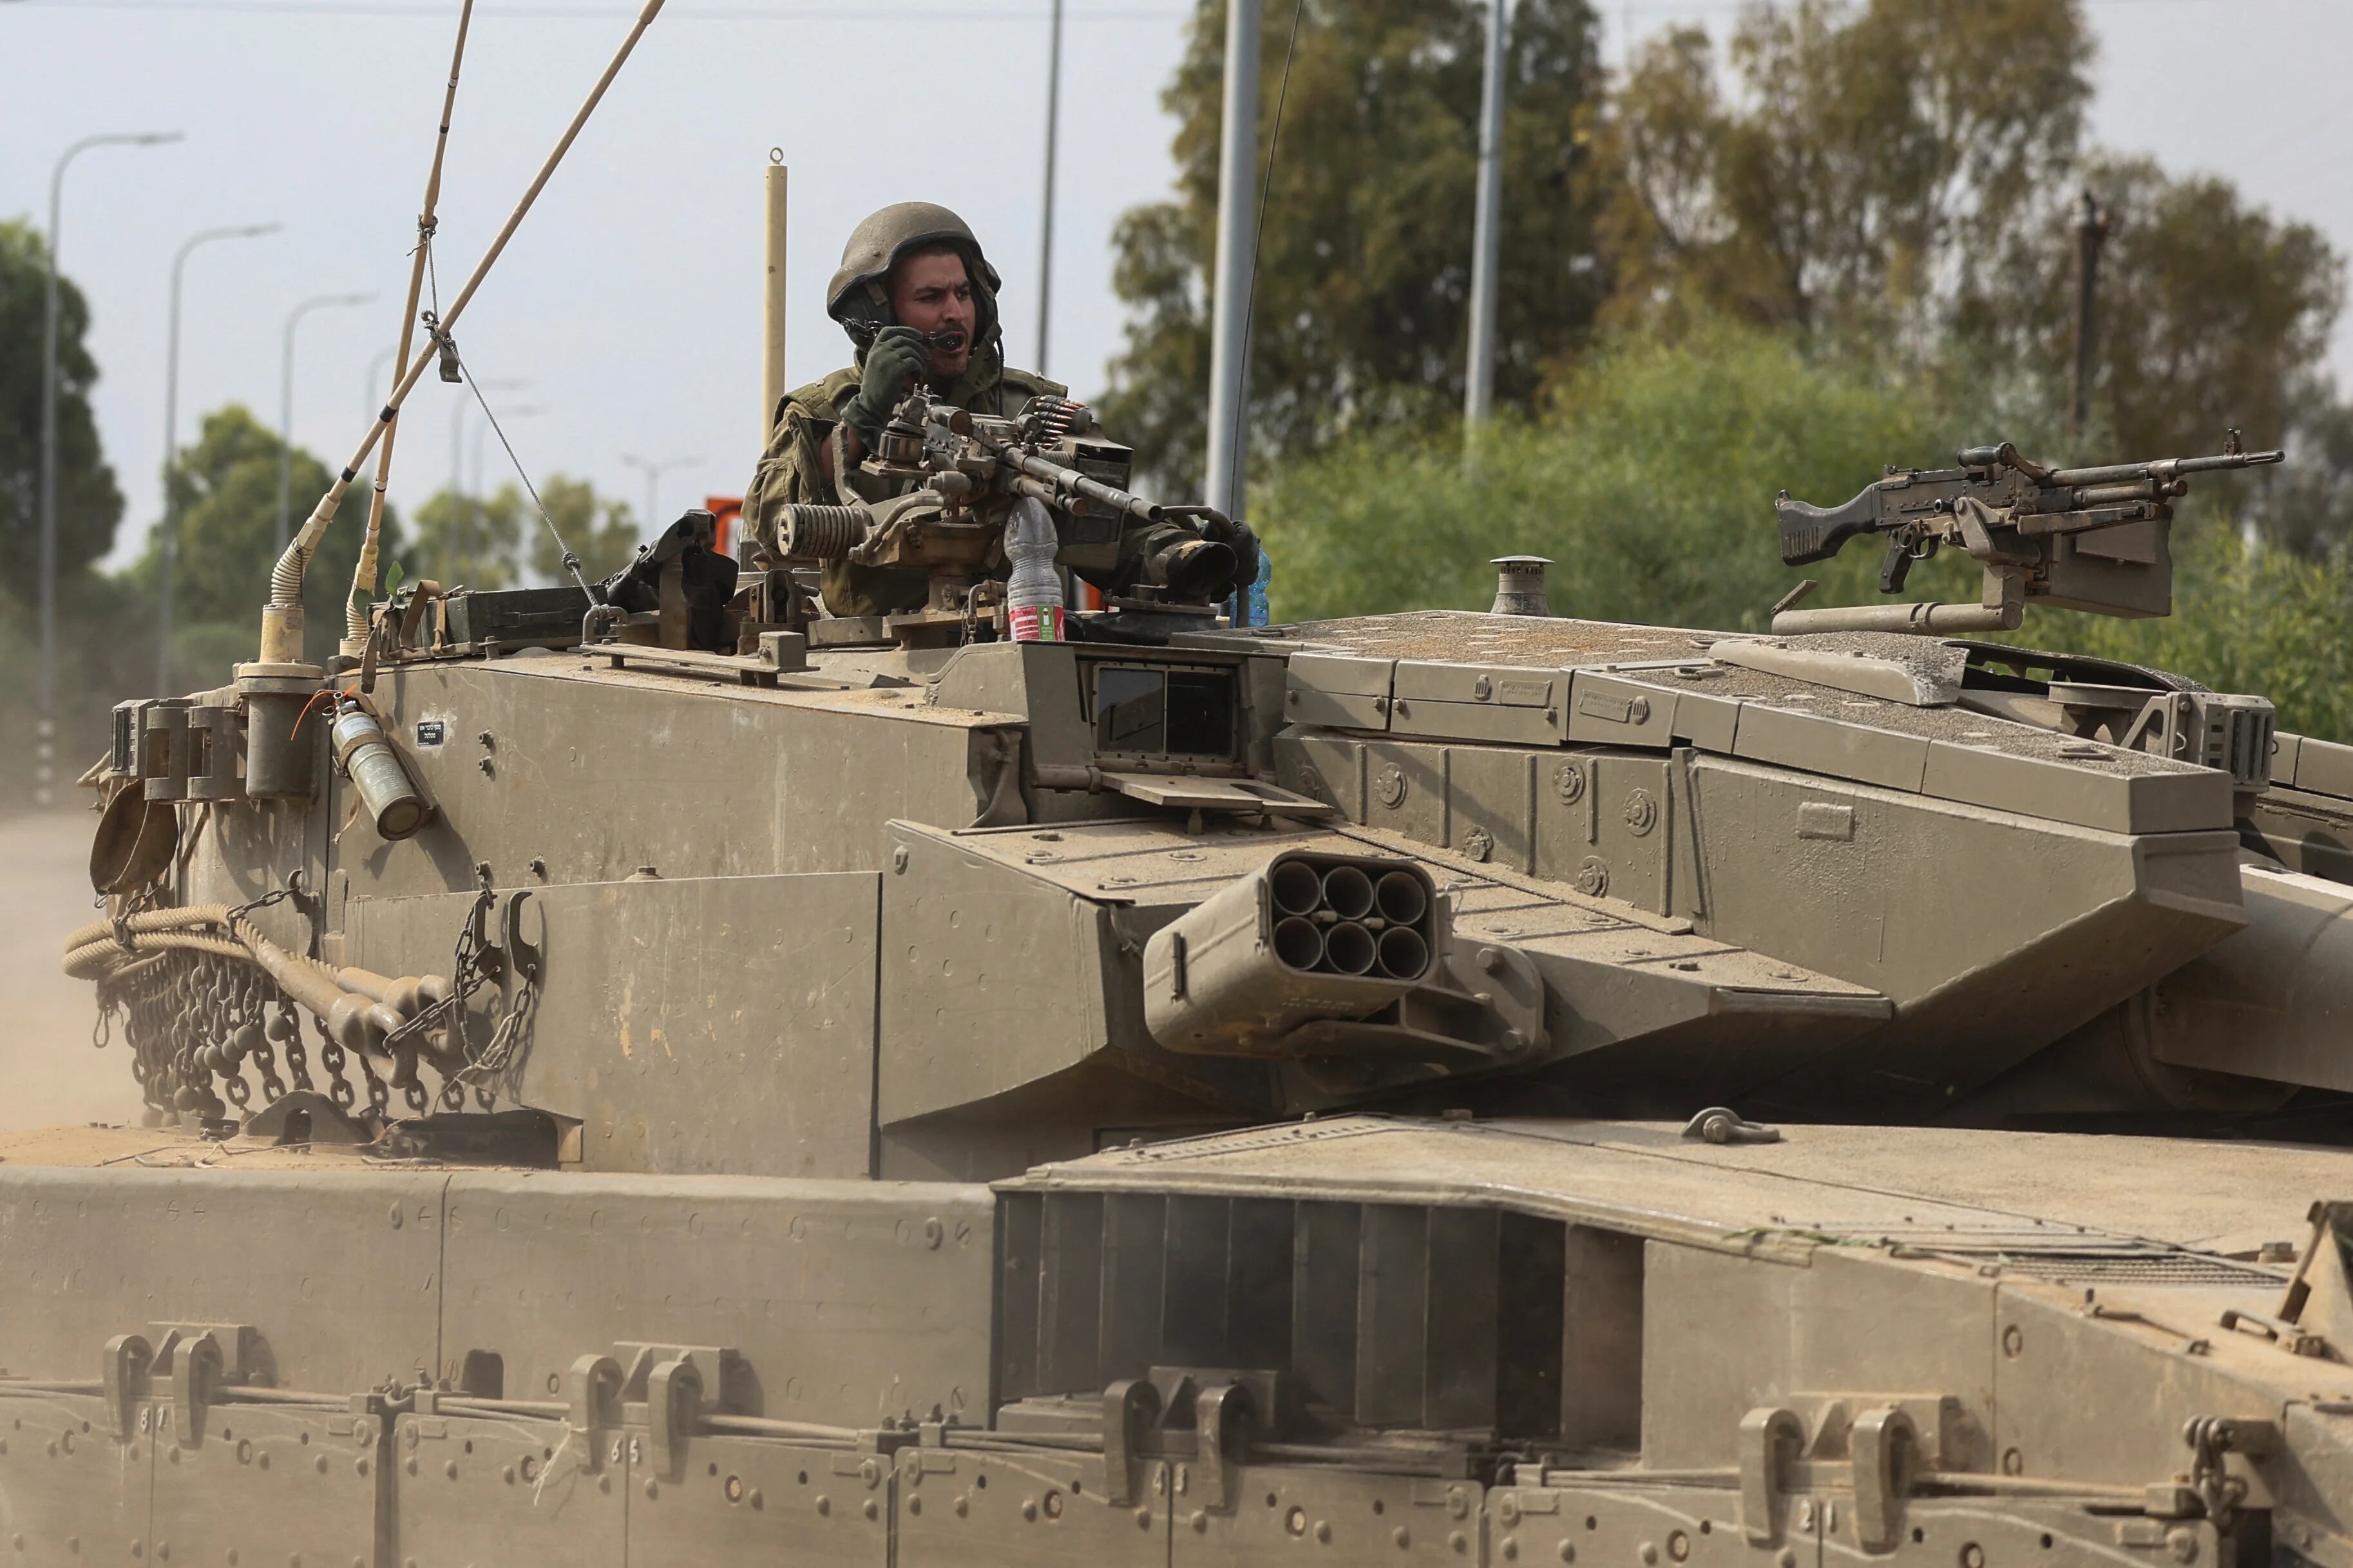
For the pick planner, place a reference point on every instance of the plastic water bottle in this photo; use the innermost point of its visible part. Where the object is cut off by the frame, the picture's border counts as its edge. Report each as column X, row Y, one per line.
column 1033, row 596
column 1258, row 614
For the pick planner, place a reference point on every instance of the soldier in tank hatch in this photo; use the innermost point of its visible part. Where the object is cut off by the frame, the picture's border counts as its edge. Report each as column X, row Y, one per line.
column 918, row 300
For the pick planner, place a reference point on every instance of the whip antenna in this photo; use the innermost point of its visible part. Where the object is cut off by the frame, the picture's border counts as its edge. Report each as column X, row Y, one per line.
column 363, row 571
column 281, row 618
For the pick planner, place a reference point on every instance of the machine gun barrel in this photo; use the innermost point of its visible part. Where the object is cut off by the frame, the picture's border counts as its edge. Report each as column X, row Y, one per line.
column 2164, row 468
column 1067, row 485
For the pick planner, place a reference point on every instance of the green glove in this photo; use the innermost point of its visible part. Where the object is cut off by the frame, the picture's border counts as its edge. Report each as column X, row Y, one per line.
column 898, row 356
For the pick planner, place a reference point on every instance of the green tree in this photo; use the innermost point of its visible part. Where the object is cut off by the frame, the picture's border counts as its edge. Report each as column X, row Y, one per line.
column 601, row 529
column 1364, row 264
column 1649, row 482
column 225, row 492
column 472, row 541
column 1865, row 168
column 2211, row 312
column 90, row 505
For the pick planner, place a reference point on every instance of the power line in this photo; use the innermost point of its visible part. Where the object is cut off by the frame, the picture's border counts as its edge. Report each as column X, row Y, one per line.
column 545, row 11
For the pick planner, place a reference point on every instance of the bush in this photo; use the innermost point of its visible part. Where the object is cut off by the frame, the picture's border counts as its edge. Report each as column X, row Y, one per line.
column 1649, row 481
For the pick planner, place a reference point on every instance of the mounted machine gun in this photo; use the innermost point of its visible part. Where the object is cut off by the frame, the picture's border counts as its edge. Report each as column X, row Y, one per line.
column 2080, row 539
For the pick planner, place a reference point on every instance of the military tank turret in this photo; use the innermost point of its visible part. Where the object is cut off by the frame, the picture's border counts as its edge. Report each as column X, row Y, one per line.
column 663, row 1073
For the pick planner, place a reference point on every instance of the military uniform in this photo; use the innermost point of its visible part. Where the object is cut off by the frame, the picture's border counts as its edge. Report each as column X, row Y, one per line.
column 791, row 471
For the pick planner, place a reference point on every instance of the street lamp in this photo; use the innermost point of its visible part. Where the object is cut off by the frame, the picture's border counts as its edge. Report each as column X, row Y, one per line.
column 167, row 544
column 466, row 399
column 525, row 411
column 45, row 730
column 372, row 397
column 653, row 472
column 286, row 405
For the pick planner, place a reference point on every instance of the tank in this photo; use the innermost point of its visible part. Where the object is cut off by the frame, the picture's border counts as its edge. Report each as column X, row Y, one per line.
column 651, row 1072
column 1432, row 1087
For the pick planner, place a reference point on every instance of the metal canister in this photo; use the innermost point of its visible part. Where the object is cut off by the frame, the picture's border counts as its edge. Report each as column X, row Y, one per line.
column 389, row 797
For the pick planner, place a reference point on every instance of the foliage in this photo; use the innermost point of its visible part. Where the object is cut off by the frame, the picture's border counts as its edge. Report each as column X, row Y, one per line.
column 602, row 531
column 90, row 505
column 498, row 541
column 472, row 541
column 1648, row 481
column 225, row 491
column 2211, row 312
column 2244, row 619
column 1866, row 168
column 1364, row 265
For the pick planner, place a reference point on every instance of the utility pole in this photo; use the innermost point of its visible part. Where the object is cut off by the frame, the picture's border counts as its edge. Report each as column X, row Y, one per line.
column 167, row 542
column 286, row 403
column 2091, row 234
column 1237, row 223
column 45, row 726
column 1046, row 236
column 1486, row 233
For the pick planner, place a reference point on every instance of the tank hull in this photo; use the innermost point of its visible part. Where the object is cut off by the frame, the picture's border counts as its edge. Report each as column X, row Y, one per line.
column 1460, row 1342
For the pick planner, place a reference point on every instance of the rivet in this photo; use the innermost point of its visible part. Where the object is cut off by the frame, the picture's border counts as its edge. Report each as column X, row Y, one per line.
column 450, row 1469
column 1510, row 1549
column 1402, row 1537
column 1323, row 1531
column 872, row 1508
column 1143, row 1518
column 824, row 1505
column 1648, row 1552
column 653, row 1486
column 1029, row 1508
column 1458, row 1541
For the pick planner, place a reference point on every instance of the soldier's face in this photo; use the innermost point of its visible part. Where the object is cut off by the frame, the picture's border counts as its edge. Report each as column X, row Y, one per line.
column 931, row 294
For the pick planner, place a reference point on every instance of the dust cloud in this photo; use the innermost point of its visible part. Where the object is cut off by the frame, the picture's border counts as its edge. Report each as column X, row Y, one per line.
column 50, row 1074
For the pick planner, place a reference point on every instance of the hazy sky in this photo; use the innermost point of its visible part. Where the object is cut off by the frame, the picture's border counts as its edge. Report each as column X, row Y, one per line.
column 629, row 301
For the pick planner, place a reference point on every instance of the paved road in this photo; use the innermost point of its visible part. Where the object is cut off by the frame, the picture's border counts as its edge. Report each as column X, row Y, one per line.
column 48, row 1073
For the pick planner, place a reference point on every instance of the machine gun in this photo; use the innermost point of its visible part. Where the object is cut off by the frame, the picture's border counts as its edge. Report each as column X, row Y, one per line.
column 941, row 493
column 2088, row 539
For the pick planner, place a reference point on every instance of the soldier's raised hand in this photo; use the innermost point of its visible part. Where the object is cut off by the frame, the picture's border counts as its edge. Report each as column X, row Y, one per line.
column 899, row 354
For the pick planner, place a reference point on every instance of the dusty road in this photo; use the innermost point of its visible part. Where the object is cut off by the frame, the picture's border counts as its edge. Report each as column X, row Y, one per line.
column 48, row 1073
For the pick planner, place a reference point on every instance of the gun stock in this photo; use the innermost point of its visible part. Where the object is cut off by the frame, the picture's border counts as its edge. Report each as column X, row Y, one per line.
column 1815, row 533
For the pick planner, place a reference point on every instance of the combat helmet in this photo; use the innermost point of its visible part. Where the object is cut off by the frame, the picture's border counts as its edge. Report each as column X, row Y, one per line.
column 859, row 297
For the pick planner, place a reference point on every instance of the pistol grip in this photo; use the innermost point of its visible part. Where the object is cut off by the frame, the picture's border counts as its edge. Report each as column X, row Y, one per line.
column 1895, row 568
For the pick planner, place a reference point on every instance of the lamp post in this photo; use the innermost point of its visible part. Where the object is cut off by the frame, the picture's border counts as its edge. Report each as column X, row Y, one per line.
column 480, row 430
column 45, row 730
column 1487, row 231
column 458, row 445
column 1229, row 288
column 653, row 472
column 285, row 403
column 373, row 398
column 167, row 543
column 1046, row 234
